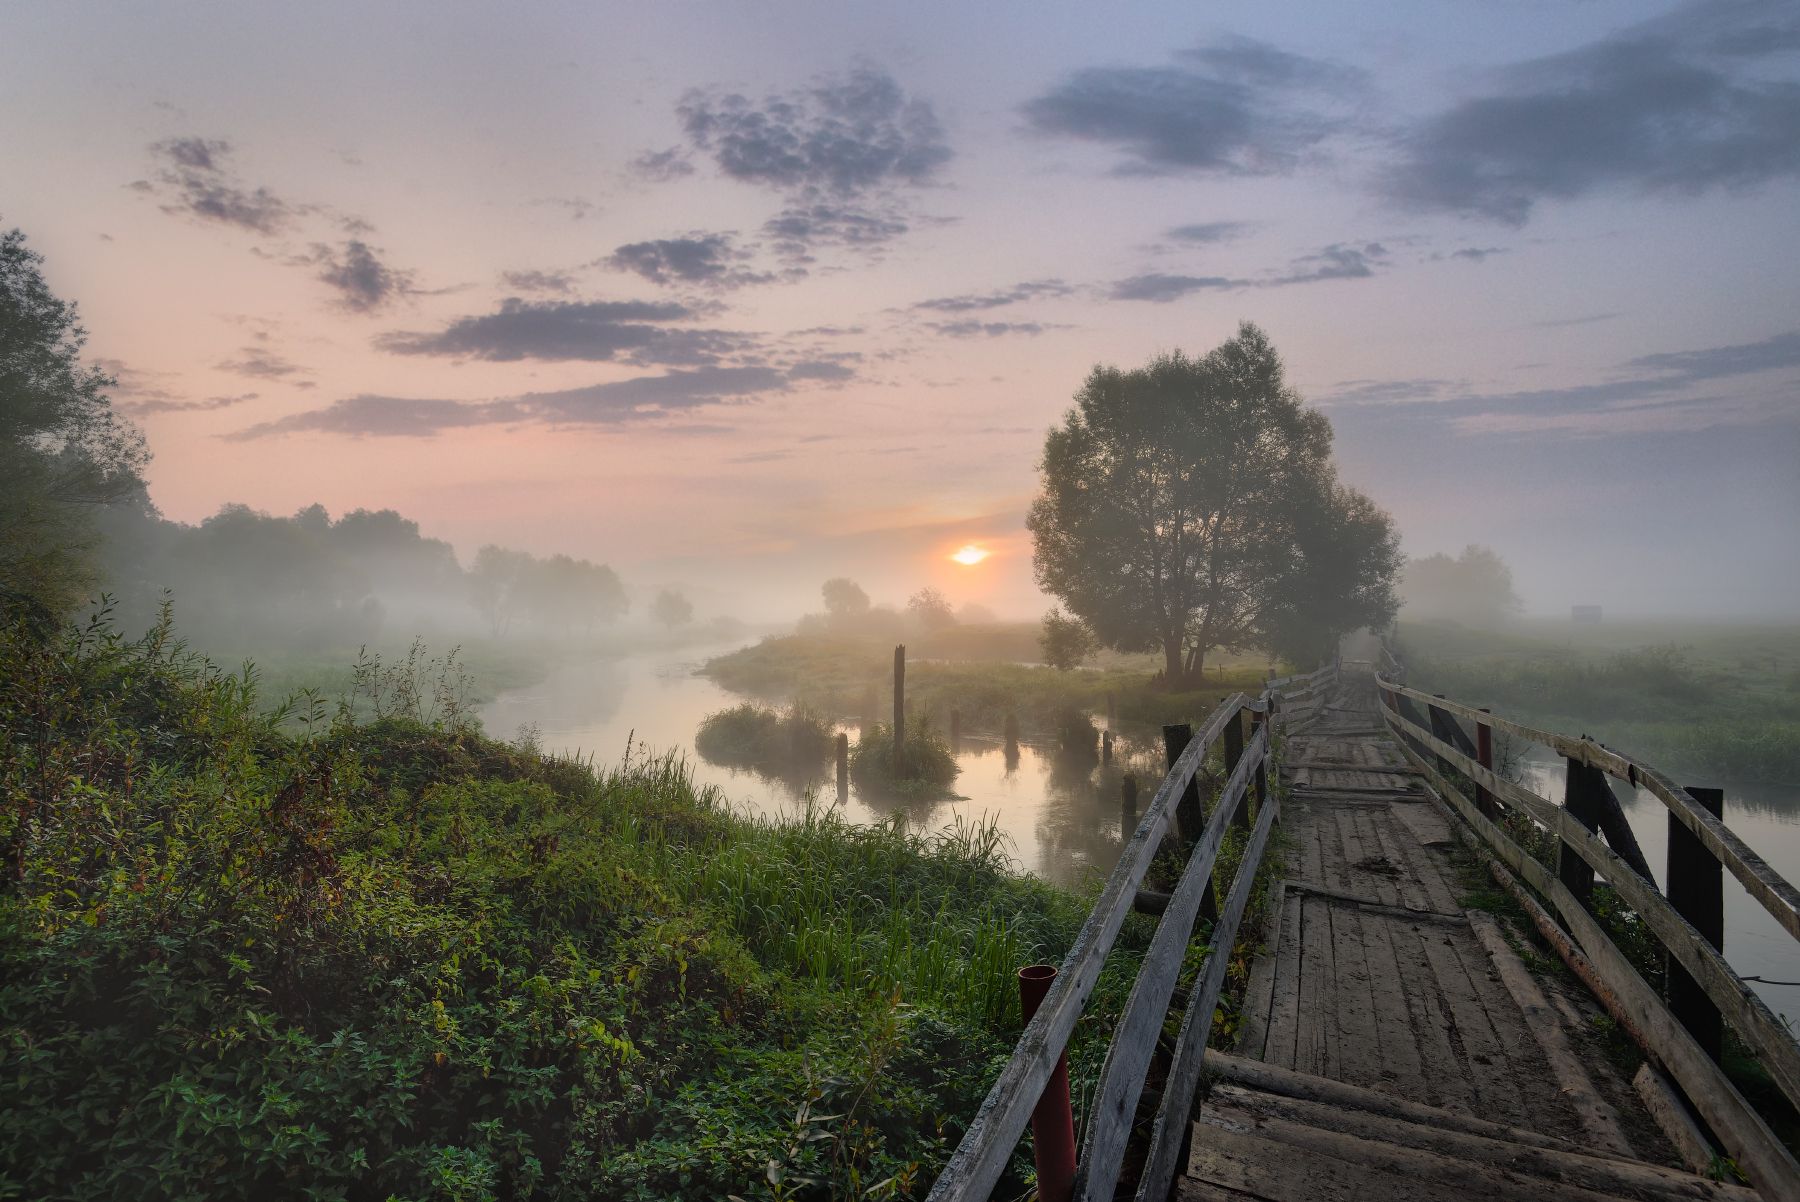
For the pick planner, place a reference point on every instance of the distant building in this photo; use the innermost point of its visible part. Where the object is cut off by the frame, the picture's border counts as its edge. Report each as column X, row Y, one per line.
column 1584, row 615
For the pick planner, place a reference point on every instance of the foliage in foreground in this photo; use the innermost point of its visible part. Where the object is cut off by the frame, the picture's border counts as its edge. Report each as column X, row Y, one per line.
column 402, row 960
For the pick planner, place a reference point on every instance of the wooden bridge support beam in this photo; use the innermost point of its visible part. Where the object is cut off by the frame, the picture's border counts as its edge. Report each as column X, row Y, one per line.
column 1697, row 893
column 1234, row 751
column 1579, row 799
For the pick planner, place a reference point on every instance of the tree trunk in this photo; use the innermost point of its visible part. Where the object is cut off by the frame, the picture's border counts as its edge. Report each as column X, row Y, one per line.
column 1171, row 663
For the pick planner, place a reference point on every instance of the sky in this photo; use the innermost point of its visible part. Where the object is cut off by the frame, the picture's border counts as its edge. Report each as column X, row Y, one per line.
column 746, row 295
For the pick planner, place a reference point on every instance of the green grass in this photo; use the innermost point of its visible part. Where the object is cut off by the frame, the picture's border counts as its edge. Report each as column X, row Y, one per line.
column 926, row 772
column 789, row 742
column 397, row 958
column 1718, row 702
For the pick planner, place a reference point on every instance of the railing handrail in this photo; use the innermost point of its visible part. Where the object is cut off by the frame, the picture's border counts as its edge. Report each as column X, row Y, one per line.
column 982, row 1155
column 1759, row 879
column 1768, row 1163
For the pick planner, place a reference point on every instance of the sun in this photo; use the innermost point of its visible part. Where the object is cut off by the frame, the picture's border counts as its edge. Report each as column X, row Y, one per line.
column 970, row 555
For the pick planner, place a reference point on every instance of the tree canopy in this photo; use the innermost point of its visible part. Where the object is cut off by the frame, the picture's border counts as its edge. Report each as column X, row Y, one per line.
column 1475, row 588
column 1186, row 505
column 63, row 451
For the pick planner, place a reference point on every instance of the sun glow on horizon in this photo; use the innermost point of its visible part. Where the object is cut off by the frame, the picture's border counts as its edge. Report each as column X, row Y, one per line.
column 971, row 554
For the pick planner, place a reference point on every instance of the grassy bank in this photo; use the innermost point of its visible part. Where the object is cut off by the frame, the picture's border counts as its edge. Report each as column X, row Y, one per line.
column 1719, row 701
column 399, row 959
column 853, row 678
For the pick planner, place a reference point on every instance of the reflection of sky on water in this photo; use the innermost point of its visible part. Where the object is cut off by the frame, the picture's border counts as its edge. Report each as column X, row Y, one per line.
column 1767, row 818
column 1061, row 814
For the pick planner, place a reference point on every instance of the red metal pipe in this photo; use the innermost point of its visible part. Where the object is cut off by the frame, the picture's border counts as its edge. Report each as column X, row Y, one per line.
column 1052, row 1120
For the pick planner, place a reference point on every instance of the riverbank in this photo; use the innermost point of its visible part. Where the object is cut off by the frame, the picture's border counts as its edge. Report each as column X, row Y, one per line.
column 1717, row 702
column 401, row 958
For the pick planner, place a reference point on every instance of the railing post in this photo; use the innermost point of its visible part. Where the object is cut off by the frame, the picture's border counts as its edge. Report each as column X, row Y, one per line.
column 1234, row 751
column 1190, row 815
column 1259, row 719
column 1052, row 1119
column 1697, row 893
column 1484, row 754
column 1581, row 804
column 1439, row 723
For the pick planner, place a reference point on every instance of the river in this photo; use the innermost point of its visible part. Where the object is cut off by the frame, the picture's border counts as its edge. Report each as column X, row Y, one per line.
column 1062, row 818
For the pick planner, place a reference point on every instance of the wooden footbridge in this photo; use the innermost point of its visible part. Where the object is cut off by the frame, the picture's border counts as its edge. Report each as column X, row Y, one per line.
column 1392, row 1044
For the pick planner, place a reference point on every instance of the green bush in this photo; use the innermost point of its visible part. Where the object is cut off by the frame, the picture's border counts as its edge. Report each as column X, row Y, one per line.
column 399, row 959
column 773, row 741
column 927, row 769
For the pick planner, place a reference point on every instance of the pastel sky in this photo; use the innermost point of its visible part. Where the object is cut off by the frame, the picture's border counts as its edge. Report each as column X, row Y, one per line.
column 744, row 295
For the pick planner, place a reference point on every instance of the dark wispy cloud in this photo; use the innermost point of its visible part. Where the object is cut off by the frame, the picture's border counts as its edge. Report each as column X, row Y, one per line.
column 193, row 179
column 1339, row 261
column 1693, row 100
column 971, row 328
column 798, row 230
column 1476, row 254
column 260, row 363
column 845, row 137
column 1235, row 107
column 363, row 281
column 976, row 301
column 561, row 282
column 1387, row 392
column 1206, row 232
column 661, row 166
column 636, row 331
column 1162, row 287
column 1584, row 320
column 155, row 405
column 706, row 260
column 637, row 401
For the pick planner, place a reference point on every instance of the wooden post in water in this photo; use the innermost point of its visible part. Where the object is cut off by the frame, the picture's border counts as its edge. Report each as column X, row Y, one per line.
column 1112, row 709
column 1579, row 800
column 1234, row 751
column 900, row 712
column 1106, row 742
column 1697, row 892
column 843, row 766
column 1128, row 789
column 1484, row 755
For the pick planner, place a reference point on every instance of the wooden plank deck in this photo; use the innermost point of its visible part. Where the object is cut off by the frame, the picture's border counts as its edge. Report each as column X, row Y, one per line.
column 1380, row 991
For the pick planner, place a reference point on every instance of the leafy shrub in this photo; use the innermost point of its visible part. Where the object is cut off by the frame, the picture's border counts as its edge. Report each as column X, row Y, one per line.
column 755, row 736
column 402, row 960
column 927, row 769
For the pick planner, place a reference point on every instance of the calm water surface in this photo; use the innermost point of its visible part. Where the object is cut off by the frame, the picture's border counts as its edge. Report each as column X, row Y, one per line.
column 1062, row 817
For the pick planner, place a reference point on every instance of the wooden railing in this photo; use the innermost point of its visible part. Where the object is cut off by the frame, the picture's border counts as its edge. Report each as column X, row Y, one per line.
column 1683, row 1032
column 982, row 1156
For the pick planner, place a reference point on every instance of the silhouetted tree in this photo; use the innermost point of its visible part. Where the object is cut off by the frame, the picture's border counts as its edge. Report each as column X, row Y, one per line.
column 672, row 609
column 1349, row 557
column 1475, row 588
column 63, row 451
column 1066, row 641
column 844, row 598
column 1175, row 498
column 930, row 610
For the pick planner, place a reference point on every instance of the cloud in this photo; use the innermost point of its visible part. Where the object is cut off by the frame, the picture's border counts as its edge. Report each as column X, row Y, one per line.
column 1386, row 392
column 1679, row 104
column 261, row 364
column 635, row 401
column 1162, row 287
column 970, row 328
column 364, row 283
column 843, row 137
column 575, row 330
column 1208, row 232
column 1335, row 262
column 1476, row 254
column 971, row 302
column 155, row 405
column 194, row 177
column 1560, row 322
column 538, row 281
column 1230, row 108
column 661, row 166
column 709, row 260
column 797, row 231
column 1712, row 363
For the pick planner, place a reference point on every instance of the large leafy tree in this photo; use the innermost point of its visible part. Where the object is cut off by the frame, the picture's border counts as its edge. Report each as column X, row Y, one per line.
column 1179, row 502
column 1343, row 579
column 64, row 453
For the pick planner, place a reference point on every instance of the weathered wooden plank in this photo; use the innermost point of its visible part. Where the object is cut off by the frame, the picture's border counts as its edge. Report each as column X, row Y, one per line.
column 1483, row 1059
column 1762, row 1157
column 1315, row 1047
column 1769, row 887
column 1739, row 1004
column 1401, row 1071
column 1134, row 1038
column 1259, row 994
column 982, row 1154
column 1358, row 1041
column 1281, row 1044
column 1429, row 1017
